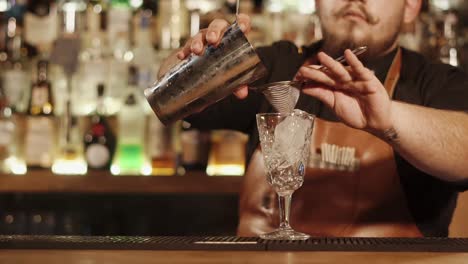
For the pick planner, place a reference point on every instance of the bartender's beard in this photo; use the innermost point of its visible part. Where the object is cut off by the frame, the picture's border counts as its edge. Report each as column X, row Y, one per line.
column 336, row 44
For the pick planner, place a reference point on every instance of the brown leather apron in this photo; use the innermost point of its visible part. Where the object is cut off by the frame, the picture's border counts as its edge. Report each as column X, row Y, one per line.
column 367, row 201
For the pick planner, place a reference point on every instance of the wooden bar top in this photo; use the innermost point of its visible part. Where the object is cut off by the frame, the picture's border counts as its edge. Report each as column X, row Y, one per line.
column 145, row 256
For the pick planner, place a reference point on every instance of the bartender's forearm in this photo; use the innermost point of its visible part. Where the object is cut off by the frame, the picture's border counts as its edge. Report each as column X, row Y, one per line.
column 435, row 141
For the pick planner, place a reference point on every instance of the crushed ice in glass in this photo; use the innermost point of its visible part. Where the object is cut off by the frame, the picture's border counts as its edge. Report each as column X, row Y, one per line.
column 290, row 136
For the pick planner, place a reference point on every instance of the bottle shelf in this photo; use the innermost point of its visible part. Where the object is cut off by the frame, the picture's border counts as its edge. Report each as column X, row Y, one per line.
column 39, row 181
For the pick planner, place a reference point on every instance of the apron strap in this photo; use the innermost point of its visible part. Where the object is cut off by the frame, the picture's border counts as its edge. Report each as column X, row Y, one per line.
column 393, row 74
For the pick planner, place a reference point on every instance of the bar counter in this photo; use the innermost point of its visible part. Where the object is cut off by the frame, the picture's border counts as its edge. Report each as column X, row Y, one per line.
column 88, row 250
column 135, row 257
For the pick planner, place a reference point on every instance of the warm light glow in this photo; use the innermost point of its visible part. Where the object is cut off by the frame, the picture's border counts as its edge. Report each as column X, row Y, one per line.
column 146, row 169
column 136, row 3
column 453, row 57
column 4, row 6
column 69, row 167
column 441, row 4
column 225, row 170
column 97, row 9
column 128, row 56
column 70, row 21
column 115, row 169
column 16, row 166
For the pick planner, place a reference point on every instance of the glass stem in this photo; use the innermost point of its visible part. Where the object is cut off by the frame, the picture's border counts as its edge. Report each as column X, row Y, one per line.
column 284, row 210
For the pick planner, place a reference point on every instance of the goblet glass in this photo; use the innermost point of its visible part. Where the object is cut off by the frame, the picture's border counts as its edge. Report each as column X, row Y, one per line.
column 285, row 142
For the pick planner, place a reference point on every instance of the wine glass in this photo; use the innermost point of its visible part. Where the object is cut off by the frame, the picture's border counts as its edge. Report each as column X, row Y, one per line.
column 285, row 142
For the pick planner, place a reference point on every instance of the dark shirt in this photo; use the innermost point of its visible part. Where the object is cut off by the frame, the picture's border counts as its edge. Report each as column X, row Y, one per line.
column 430, row 200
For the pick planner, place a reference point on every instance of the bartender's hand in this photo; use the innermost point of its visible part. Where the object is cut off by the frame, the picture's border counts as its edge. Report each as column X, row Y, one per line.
column 212, row 36
column 354, row 93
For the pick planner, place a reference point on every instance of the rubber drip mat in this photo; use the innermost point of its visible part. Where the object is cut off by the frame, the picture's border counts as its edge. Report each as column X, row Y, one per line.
column 433, row 244
column 235, row 243
column 130, row 243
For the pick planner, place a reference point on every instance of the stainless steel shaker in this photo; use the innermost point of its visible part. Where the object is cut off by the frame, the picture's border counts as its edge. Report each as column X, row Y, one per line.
column 200, row 81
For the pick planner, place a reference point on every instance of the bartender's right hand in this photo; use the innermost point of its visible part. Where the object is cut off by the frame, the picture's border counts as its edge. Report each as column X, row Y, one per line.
column 212, row 36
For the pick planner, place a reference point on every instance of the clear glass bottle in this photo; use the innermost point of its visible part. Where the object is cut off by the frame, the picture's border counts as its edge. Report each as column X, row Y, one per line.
column 40, row 138
column 130, row 158
column 449, row 51
column 118, row 30
column 15, row 77
column 161, row 147
column 144, row 55
column 70, row 159
column 99, row 139
column 93, row 66
column 7, row 133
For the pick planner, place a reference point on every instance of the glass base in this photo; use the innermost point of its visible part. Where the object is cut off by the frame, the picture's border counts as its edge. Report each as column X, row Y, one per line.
column 284, row 234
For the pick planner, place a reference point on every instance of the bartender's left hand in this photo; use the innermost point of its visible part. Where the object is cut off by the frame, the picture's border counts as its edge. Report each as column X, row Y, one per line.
column 354, row 93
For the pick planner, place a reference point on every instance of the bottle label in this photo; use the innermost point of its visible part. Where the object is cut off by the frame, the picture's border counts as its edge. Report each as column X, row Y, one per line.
column 41, row 30
column 118, row 22
column 39, row 141
column 97, row 155
column 40, row 96
column 15, row 83
column 6, row 132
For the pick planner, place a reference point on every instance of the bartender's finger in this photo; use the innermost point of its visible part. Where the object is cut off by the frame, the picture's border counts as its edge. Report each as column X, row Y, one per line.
column 314, row 74
column 361, row 87
column 358, row 69
column 215, row 31
column 242, row 92
column 197, row 46
column 244, row 23
column 334, row 68
column 194, row 45
column 324, row 94
column 185, row 51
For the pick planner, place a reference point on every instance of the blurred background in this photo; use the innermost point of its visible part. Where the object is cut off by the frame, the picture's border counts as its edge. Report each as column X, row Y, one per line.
column 81, row 152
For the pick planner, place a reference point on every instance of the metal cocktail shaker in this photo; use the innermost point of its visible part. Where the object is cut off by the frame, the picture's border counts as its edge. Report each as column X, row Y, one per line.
column 200, row 81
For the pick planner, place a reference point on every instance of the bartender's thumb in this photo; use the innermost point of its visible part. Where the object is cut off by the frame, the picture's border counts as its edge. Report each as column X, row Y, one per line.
column 241, row 92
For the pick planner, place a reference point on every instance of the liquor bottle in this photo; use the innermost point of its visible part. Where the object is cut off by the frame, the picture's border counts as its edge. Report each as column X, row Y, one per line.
column 70, row 159
column 449, row 51
column 99, row 140
column 4, row 7
column 16, row 81
column 195, row 149
column 7, row 132
column 118, row 29
column 11, row 158
column 130, row 158
column 172, row 35
column 161, row 147
column 40, row 139
column 144, row 55
column 93, row 62
column 227, row 154
column 41, row 26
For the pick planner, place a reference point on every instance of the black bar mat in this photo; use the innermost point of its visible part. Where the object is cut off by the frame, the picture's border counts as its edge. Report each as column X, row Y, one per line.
column 235, row 243
column 130, row 243
column 433, row 244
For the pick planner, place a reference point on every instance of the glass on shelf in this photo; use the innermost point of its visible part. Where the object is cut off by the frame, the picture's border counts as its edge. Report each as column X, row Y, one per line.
column 227, row 153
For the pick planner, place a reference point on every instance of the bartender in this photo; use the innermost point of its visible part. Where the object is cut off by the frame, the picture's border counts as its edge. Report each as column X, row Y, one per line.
column 404, row 118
